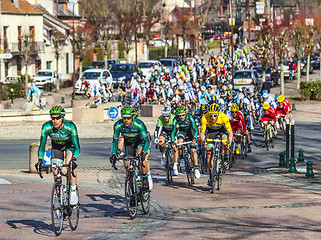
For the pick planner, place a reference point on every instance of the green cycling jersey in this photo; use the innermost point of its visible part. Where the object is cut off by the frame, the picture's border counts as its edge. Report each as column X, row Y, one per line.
column 167, row 126
column 67, row 135
column 188, row 125
column 136, row 132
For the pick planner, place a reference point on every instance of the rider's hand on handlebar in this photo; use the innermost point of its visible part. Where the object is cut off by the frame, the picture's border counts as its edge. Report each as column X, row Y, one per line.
column 73, row 163
column 113, row 159
column 38, row 165
column 142, row 156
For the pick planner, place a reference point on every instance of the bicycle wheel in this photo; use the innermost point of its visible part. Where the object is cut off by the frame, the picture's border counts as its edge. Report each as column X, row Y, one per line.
column 73, row 214
column 56, row 209
column 131, row 205
column 145, row 199
column 168, row 168
column 219, row 174
column 188, row 171
column 213, row 175
column 242, row 148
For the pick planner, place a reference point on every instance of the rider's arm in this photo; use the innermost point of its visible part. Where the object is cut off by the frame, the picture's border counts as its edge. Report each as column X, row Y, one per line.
column 194, row 127
column 75, row 140
column 145, row 137
column 117, row 128
column 228, row 127
column 43, row 140
column 158, row 126
column 174, row 129
column 203, row 124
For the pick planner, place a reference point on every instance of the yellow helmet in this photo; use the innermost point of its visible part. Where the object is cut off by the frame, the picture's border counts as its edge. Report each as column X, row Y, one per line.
column 177, row 91
column 214, row 109
column 234, row 108
column 266, row 106
column 280, row 98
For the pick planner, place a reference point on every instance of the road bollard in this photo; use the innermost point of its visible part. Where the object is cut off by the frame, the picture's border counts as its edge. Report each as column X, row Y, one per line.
column 287, row 143
column 301, row 156
column 292, row 138
column 309, row 173
column 282, row 162
column 62, row 100
column 293, row 107
column 292, row 168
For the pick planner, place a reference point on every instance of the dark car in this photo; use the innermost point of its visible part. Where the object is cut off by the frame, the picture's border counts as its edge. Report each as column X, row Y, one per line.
column 101, row 64
column 315, row 60
column 270, row 74
column 303, row 67
column 178, row 58
column 122, row 72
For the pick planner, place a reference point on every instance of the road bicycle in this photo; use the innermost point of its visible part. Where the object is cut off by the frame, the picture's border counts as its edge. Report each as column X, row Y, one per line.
column 232, row 153
column 216, row 171
column 202, row 160
column 169, row 159
column 244, row 146
column 61, row 210
column 282, row 125
column 269, row 136
column 187, row 162
column 135, row 194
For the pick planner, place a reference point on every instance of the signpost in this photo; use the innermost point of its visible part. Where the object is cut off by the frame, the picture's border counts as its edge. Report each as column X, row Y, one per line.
column 113, row 113
column 5, row 55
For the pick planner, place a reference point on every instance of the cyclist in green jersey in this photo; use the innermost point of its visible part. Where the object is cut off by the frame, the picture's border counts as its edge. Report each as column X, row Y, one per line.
column 65, row 146
column 136, row 142
column 163, row 130
column 184, row 127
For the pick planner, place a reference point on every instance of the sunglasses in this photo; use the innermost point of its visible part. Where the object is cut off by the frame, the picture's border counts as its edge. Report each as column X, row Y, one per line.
column 56, row 118
column 213, row 115
column 127, row 118
column 181, row 115
column 234, row 111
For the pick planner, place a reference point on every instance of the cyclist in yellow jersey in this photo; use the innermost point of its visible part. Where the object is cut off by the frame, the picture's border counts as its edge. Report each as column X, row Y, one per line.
column 216, row 123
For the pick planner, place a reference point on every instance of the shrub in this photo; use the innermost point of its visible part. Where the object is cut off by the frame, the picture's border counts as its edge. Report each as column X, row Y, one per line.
column 310, row 90
column 17, row 87
column 159, row 52
column 48, row 87
column 66, row 83
column 121, row 51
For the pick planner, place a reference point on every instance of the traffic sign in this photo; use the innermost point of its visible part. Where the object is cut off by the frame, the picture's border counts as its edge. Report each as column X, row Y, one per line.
column 5, row 55
column 113, row 112
column 46, row 161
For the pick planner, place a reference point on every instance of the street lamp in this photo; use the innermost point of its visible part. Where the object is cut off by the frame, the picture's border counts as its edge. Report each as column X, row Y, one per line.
column 144, row 18
column 221, row 17
column 73, row 50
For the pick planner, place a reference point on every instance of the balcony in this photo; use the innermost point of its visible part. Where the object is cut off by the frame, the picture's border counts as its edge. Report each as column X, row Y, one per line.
column 16, row 48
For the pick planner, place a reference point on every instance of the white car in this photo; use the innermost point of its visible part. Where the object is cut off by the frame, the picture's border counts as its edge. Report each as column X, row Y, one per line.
column 93, row 76
column 45, row 76
column 146, row 67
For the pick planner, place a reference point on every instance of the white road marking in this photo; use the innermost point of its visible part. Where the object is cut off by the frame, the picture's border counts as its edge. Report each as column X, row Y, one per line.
column 3, row 181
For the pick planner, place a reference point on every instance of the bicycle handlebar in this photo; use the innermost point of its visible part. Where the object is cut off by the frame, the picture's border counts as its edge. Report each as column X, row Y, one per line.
column 57, row 166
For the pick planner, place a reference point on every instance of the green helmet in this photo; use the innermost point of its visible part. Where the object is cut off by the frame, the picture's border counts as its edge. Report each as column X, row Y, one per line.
column 127, row 112
column 57, row 110
column 181, row 109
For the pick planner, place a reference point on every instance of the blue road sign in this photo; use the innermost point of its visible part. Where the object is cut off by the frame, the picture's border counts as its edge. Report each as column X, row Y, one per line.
column 46, row 161
column 113, row 113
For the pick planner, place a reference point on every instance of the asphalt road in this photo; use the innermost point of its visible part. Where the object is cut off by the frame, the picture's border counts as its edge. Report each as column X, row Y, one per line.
column 96, row 152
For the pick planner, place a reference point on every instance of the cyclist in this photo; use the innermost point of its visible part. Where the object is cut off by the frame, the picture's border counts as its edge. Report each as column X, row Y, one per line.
column 33, row 93
column 283, row 108
column 216, row 123
column 163, row 130
column 65, row 146
column 184, row 127
column 268, row 115
column 238, row 125
column 122, row 92
column 136, row 141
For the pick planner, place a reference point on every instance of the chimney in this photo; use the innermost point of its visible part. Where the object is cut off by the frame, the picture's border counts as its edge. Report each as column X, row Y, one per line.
column 16, row 3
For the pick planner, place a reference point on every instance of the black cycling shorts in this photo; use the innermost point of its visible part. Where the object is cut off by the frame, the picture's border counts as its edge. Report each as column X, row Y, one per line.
column 58, row 151
column 187, row 136
column 131, row 148
column 212, row 134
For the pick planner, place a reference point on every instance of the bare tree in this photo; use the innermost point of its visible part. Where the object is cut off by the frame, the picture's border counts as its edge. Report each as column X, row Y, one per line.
column 168, row 33
column 185, row 28
column 281, row 49
column 264, row 47
column 26, row 48
column 58, row 42
column 104, row 40
column 298, row 45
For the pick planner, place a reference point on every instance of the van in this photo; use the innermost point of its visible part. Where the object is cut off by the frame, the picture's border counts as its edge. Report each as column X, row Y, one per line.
column 169, row 63
column 146, row 67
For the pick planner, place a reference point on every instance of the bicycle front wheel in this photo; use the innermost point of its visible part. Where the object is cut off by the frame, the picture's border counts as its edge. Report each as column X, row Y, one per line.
column 130, row 197
column 213, row 175
column 73, row 214
column 219, row 173
column 145, row 199
column 56, row 209
column 169, row 172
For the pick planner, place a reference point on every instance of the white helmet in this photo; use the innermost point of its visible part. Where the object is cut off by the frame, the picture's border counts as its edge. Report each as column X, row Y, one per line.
column 166, row 110
column 203, row 88
column 241, row 96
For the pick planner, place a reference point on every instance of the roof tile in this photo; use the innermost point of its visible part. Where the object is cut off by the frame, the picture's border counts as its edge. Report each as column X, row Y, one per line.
column 24, row 8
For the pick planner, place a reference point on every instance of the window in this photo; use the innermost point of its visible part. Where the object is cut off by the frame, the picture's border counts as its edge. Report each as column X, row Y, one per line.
column 67, row 63
column 6, row 68
column 19, row 38
column 48, row 65
column 5, row 38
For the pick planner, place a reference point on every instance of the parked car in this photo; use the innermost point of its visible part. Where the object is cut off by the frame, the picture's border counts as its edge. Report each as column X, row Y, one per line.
column 247, row 78
column 93, row 76
column 12, row 79
column 169, row 63
column 303, row 67
column 101, row 64
column 45, row 76
column 315, row 60
column 146, row 66
column 270, row 74
column 122, row 72
column 218, row 36
column 178, row 58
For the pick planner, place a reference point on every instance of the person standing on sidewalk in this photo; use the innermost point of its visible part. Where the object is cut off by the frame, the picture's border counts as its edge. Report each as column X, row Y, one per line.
column 292, row 68
column 65, row 146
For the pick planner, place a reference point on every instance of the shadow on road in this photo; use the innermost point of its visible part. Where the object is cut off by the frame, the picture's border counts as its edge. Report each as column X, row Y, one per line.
column 40, row 227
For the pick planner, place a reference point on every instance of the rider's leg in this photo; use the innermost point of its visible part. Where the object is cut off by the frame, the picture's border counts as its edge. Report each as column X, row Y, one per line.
column 145, row 169
column 248, row 137
column 161, row 144
column 209, row 154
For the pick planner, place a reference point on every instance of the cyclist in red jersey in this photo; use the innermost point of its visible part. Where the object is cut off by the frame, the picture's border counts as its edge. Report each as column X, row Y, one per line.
column 268, row 115
column 238, row 125
column 283, row 107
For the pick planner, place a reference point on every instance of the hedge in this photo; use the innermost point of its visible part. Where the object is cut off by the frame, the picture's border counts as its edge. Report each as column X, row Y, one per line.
column 310, row 90
column 156, row 53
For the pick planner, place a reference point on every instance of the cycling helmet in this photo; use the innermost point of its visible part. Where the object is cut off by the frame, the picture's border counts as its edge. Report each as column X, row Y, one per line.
column 241, row 96
column 29, row 85
column 204, row 108
column 203, row 88
column 241, row 106
column 224, row 87
column 230, row 86
column 265, row 95
column 127, row 111
column 166, row 111
column 234, row 108
column 266, row 106
column 214, row 109
column 57, row 110
column 280, row 98
column 265, row 91
column 181, row 109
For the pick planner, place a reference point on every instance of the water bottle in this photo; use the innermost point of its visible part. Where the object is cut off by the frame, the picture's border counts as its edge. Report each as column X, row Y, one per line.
column 138, row 180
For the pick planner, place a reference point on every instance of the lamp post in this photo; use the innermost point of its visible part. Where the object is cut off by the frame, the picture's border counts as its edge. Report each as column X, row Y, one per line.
column 73, row 51
column 232, row 40
column 144, row 19
column 221, row 17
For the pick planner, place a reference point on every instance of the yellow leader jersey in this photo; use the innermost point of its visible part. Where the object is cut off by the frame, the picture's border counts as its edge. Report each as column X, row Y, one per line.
column 222, row 120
